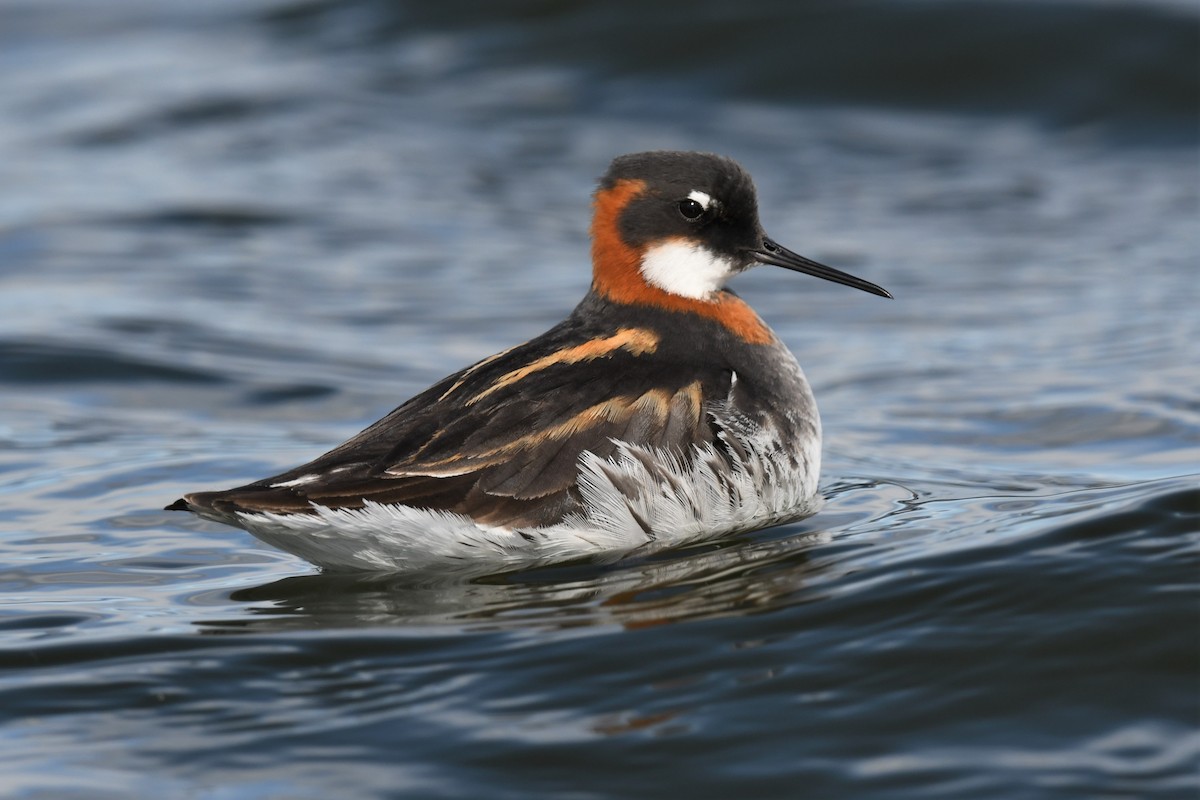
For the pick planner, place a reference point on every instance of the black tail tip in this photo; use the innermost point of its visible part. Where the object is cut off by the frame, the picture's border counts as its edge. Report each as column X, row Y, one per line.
column 178, row 505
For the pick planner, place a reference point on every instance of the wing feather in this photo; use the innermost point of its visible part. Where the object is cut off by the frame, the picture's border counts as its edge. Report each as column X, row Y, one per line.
column 501, row 441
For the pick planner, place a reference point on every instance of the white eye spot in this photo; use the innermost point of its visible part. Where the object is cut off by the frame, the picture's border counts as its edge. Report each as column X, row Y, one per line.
column 700, row 197
column 685, row 269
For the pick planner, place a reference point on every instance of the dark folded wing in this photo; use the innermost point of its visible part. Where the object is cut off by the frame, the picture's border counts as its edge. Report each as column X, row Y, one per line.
column 501, row 441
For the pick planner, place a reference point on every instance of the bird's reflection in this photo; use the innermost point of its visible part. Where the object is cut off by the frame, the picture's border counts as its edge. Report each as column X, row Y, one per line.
column 739, row 576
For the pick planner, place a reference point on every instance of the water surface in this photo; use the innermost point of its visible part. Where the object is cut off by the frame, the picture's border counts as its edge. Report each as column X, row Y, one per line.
column 232, row 234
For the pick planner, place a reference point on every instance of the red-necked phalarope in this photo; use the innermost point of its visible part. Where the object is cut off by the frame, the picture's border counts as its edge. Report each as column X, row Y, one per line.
column 662, row 411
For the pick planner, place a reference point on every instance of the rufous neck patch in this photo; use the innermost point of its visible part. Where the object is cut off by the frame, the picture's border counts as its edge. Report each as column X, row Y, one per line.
column 617, row 274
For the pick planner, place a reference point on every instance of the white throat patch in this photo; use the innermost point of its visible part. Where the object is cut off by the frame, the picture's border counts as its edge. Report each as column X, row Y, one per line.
column 685, row 269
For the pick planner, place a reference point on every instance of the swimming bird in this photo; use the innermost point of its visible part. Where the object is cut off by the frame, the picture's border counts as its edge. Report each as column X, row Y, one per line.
column 663, row 411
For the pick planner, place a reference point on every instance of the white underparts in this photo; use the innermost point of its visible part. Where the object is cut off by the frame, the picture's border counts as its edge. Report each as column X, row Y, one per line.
column 686, row 269
column 641, row 499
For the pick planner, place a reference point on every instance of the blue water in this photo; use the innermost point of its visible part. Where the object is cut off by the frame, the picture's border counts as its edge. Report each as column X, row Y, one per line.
column 233, row 233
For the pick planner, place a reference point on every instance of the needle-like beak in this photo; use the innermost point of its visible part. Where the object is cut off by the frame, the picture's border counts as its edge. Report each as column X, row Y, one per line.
column 778, row 255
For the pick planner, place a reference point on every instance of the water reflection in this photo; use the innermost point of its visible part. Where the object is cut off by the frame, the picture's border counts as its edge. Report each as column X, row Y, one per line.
column 743, row 576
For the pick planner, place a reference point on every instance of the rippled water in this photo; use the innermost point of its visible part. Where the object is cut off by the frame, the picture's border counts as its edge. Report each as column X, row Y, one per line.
column 233, row 233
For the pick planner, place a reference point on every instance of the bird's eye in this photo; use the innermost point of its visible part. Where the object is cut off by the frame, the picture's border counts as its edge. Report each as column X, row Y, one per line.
column 690, row 209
